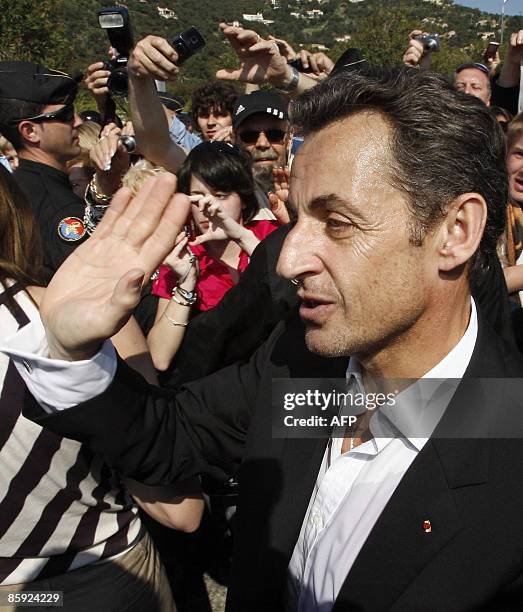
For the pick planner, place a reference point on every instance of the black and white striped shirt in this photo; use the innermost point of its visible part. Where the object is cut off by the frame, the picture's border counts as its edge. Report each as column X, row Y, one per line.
column 61, row 507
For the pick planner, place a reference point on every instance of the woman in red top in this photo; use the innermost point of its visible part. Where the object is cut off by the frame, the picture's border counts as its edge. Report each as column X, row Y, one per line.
column 197, row 274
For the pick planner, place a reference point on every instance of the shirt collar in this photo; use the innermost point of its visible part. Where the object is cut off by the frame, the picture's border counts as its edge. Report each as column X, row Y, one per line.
column 418, row 408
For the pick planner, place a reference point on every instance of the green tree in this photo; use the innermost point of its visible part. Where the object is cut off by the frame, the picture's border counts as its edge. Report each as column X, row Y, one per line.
column 33, row 31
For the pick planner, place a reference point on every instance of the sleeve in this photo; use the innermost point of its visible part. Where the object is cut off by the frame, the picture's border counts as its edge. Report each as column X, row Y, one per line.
column 64, row 231
column 263, row 228
column 158, row 437
column 179, row 134
column 165, row 283
column 55, row 384
column 506, row 97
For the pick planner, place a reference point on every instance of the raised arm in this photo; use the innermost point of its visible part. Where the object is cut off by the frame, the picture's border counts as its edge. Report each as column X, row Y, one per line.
column 261, row 62
column 153, row 58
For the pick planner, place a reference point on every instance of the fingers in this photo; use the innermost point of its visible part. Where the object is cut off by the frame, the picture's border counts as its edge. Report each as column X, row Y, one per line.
column 202, row 239
column 225, row 134
column 165, row 228
column 96, row 78
column 153, row 56
column 226, row 74
column 106, row 147
column 113, row 214
column 124, row 299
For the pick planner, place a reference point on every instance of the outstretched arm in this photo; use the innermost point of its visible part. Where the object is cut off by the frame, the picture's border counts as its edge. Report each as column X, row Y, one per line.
column 153, row 58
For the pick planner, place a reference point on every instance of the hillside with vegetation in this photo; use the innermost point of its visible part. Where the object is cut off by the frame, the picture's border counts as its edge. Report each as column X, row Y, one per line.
column 64, row 34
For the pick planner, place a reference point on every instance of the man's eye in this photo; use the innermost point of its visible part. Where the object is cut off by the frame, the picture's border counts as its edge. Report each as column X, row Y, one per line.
column 336, row 225
column 222, row 196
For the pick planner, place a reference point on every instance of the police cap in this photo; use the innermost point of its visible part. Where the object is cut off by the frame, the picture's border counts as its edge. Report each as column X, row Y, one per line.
column 35, row 83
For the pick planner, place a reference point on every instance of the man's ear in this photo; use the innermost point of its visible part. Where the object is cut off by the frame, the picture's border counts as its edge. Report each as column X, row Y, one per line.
column 29, row 133
column 462, row 230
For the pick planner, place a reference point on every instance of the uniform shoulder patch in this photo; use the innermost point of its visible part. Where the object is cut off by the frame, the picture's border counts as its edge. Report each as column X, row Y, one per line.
column 71, row 229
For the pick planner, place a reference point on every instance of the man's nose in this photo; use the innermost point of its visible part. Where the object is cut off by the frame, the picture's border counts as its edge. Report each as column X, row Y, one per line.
column 297, row 258
column 263, row 142
column 77, row 120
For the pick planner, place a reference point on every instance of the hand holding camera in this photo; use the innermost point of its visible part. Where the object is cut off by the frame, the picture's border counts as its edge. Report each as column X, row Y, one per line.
column 421, row 45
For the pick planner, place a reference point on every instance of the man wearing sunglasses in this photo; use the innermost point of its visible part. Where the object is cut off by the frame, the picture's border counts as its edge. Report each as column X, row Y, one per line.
column 37, row 115
column 261, row 125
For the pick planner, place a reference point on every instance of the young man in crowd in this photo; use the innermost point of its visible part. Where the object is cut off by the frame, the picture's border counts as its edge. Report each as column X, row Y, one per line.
column 211, row 107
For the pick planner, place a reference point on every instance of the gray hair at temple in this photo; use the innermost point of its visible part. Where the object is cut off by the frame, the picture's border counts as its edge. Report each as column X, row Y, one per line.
column 444, row 143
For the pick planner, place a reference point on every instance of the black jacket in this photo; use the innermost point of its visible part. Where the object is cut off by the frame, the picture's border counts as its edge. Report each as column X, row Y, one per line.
column 470, row 489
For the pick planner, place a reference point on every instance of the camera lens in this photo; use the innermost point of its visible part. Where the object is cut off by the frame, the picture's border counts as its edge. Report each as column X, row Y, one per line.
column 117, row 82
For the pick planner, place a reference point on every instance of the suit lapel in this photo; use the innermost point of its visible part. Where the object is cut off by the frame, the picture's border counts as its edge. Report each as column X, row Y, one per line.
column 398, row 547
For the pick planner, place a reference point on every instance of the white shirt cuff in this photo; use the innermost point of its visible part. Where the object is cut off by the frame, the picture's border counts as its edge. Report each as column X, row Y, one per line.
column 56, row 384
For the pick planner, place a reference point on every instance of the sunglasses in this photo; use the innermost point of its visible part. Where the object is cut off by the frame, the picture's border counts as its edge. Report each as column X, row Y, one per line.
column 64, row 115
column 251, row 136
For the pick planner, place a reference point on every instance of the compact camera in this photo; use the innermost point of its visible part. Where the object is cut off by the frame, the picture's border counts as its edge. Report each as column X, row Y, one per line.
column 430, row 42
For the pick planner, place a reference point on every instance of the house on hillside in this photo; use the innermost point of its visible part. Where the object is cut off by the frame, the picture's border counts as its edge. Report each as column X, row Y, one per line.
column 166, row 13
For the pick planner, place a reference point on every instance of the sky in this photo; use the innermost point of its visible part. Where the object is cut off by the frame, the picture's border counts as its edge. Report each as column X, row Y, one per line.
column 513, row 7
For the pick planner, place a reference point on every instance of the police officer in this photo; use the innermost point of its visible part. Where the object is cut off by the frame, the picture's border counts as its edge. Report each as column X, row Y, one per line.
column 37, row 115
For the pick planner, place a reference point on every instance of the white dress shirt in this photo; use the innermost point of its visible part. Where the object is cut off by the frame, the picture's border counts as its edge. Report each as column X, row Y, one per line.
column 353, row 488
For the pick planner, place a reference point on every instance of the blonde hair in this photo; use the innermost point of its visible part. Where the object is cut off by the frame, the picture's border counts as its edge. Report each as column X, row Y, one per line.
column 88, row 135
column 138, row 174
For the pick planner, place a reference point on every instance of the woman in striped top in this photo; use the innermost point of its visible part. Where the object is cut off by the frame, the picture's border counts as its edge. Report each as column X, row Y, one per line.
column 67, row 523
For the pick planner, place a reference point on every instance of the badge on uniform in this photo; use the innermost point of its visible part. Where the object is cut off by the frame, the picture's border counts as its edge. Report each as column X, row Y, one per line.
column 71, row 229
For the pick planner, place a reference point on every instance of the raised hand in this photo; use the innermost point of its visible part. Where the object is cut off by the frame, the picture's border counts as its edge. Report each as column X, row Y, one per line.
column 260, row 60
column 415, row 55
column 96, row 81
column 153, row 57
column 94, row 292
column 221, row 225
column 285, row 49
column 280, row 196
column 180, row 260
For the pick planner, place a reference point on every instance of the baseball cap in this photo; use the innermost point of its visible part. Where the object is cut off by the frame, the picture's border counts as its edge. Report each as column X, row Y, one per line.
column 267, row 102
column 475, row 65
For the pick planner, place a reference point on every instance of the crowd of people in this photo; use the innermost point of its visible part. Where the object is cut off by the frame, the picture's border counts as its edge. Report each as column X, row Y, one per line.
column 159, row 271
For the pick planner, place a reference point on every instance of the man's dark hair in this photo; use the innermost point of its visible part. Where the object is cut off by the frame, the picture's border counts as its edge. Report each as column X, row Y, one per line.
column 217, row 96
column 444, row 143
column 11, row 110
column 227, row 172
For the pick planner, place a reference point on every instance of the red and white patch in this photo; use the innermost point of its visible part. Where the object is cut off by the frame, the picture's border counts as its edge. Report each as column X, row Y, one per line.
column 71, row 229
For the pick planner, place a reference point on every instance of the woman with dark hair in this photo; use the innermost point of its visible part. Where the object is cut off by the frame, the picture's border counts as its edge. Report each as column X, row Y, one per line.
column 197, row 274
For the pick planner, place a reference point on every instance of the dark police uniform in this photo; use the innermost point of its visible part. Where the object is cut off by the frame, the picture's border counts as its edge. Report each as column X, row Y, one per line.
column 58, row 211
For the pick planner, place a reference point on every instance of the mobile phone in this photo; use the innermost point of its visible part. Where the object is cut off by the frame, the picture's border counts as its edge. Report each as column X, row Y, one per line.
column 296, row 63
column 491, row 50
column 189, row 230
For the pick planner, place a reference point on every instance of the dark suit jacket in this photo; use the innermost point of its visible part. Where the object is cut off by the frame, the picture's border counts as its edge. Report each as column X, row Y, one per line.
column 470, row 489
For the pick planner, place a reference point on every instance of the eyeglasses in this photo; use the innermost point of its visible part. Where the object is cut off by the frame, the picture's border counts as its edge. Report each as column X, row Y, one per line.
column 251, row 136
column 64, row 115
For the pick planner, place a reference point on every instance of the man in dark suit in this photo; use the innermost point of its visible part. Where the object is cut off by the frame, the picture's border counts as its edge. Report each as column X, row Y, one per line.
column 400, row 202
